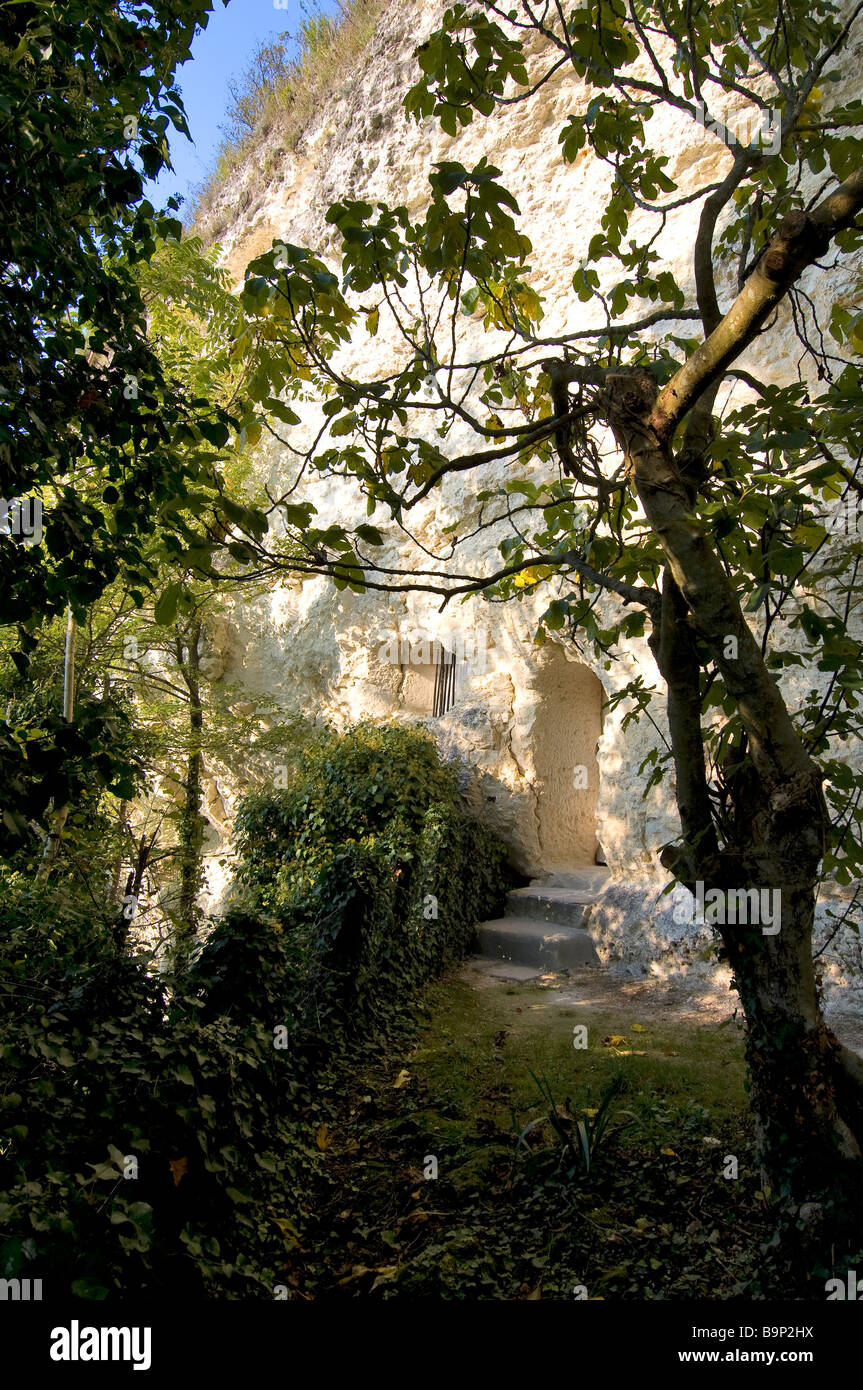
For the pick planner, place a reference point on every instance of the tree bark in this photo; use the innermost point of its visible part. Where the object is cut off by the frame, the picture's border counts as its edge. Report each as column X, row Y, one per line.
column 807, row 1109
column 674, row 647
column 806, row 1090
column 806, row 1093
column 191, row 830
column 61, row 814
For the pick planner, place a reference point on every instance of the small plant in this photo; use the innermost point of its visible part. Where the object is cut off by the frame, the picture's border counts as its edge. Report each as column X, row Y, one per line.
column 579, row 1137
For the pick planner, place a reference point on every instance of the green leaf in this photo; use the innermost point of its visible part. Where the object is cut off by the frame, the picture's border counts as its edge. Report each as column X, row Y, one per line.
column 556, row 614
column 370, row 534
column 298, row 514
column 346, row 425
column 89, row 1288
column 248, row 519
column 166, row 605
column 281, row 411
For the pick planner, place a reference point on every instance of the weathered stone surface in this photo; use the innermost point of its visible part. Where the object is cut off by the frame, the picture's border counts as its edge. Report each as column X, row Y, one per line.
column 565, row 907
column 525, row 941
column 525, row 718
column 633, row 925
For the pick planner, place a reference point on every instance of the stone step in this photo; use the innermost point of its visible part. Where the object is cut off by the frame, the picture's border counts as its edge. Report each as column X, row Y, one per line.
column 563, row 907
column 526, row 941
column 591, row 877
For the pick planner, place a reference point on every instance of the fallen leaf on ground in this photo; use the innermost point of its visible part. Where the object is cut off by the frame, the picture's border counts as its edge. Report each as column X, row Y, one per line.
column 289, row 1230
column 179, row 1169
column 403, row 1079
column 613, row 1040
column 323, row 1138
column 413, row 1218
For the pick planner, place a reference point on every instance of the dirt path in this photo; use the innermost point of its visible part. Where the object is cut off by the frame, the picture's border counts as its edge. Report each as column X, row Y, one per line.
column 694, row 1002
column 591, row 987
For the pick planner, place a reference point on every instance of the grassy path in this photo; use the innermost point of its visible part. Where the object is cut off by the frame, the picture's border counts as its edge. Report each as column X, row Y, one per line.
column 488, row 1095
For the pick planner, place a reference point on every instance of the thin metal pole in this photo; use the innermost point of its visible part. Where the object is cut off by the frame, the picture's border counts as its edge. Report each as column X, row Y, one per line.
column 69, row 668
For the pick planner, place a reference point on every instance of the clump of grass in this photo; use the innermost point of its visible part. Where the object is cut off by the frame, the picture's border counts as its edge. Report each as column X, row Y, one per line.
column 282, row 89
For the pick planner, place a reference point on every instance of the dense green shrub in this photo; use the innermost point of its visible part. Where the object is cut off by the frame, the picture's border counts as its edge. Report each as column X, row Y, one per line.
column 369, row 862
column 396, row 913
column 97, row 1068
column 363, row 880
column 248, row 967
column 348, row 788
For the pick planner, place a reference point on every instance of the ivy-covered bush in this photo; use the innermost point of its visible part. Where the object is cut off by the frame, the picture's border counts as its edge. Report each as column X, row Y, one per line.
column 155, row 1140
column 138, row 1141
column 348, row 788
column 395, row 913
column 368, row 860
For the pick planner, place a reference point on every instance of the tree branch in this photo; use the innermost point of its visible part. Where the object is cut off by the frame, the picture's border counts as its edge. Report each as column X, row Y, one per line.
column 799, row 242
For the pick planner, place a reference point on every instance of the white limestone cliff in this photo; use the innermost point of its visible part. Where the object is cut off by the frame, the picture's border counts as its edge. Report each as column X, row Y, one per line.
column 526, row 718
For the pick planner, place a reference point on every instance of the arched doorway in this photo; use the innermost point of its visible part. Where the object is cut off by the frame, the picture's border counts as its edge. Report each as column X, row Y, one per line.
column 568, row 727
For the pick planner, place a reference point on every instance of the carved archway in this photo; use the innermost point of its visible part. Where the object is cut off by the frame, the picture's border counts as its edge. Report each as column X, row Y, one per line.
column 568, row 728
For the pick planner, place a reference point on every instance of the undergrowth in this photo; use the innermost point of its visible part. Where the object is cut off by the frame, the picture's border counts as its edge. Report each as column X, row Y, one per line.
column 457, row 1167
column 158, row 1135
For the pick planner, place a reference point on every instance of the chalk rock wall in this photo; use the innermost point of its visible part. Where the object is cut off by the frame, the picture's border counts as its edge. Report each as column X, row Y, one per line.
column 546, row 759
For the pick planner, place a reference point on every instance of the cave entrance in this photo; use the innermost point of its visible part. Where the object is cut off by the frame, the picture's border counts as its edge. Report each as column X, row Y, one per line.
column 568, row 728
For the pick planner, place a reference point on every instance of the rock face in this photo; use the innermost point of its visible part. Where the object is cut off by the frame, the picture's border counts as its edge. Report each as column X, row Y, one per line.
column 546, row 759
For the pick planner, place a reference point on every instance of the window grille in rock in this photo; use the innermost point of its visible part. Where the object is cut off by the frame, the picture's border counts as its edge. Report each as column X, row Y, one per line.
column 444, row 681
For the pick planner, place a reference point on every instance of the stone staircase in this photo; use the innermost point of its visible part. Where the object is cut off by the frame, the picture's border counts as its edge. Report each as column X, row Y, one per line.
column 542, row 929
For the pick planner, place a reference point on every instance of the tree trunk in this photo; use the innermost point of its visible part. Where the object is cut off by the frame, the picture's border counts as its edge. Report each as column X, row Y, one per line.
column 808, row 1110
column 191, row 830
column 61, row 814
column 806, row 1090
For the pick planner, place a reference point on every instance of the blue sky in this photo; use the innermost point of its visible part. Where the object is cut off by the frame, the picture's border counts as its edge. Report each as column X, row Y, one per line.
column 220, row 52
